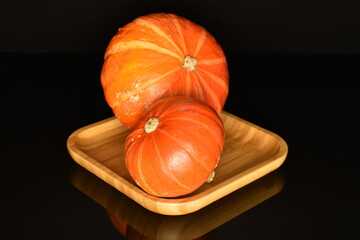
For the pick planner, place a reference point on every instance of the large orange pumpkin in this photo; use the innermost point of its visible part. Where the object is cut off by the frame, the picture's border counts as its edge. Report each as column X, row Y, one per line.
column 161, row 55
column 175, row 146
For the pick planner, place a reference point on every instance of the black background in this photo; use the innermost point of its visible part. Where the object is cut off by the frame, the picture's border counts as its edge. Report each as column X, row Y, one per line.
column 247, row 26
column 294, row 68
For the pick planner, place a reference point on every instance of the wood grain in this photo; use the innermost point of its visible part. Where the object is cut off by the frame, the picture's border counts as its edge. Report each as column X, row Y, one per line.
column 249, row 153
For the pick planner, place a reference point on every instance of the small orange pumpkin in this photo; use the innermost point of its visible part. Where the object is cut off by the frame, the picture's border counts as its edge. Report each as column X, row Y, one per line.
column 161, row 55
column 175, row 146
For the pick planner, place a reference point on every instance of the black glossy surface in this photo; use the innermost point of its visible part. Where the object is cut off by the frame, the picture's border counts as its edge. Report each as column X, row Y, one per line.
column 312, row 101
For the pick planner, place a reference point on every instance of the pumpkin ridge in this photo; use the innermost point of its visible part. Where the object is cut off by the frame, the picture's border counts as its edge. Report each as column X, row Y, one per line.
column 199, row 89
column 180, row 31
column 161, row 33
column 212, row 61
column 200, row 42
column 210, row 91
column 169, row 172
column 202, row 124
column 132, row 45
column 181, row 145
column 141, row 175
column 187, row 84
column 128, row 94
column 215, row 78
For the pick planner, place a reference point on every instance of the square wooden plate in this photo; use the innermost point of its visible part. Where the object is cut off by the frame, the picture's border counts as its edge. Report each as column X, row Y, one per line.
column 249, row 153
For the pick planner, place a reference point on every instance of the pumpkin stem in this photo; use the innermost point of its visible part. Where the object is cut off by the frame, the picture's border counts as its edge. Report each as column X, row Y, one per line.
column 211, row 177
column 189, row 63
column 151, row 124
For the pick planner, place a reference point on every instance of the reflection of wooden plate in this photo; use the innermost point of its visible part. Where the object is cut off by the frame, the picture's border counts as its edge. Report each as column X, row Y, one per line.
column 249, row 153
column 189, row 226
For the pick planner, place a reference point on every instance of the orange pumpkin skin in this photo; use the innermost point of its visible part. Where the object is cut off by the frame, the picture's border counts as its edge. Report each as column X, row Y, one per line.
column 161, row 55
column 183, row 150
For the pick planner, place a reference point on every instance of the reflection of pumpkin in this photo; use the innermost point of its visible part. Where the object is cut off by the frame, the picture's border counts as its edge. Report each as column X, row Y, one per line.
column 161, row 55
column 175, row 146
column 132, row 234
column 118, row 223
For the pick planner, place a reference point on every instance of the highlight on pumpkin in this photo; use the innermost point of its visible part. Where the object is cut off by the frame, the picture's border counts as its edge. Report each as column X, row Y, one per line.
column 161, row 55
